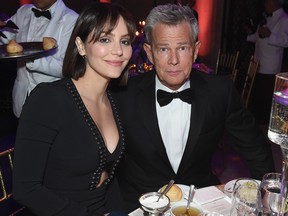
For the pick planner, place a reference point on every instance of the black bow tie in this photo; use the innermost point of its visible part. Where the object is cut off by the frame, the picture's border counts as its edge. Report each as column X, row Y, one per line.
column 39, row 13
column 165, row 98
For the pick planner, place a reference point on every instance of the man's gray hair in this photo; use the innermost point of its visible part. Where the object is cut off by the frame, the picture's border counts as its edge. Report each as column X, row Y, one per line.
column 170, row 14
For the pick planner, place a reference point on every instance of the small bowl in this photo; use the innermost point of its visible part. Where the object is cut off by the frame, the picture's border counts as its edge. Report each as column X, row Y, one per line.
column 149, row 204
column 180, row 208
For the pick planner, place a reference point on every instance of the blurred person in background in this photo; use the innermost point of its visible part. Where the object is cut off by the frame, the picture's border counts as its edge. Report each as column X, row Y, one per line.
column 42, row 18
column 270, row 38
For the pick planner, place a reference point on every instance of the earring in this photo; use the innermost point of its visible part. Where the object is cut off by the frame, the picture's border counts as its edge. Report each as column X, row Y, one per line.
column 83, row 56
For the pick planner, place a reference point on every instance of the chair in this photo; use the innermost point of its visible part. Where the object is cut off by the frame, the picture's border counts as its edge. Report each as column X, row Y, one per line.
column 249, row 80
column 226, row 63
column 234, row 75
column 7, row 205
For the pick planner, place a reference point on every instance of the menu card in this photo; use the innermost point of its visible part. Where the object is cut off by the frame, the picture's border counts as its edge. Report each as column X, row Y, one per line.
column 213, row 199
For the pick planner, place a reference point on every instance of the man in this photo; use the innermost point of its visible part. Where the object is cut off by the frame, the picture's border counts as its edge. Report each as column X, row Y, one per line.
column 33, row 26
column 270, row 40
column 176, row 140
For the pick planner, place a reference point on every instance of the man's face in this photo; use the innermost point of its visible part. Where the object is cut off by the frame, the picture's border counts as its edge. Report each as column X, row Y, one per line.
column 269, row 6
column 43, row 4
column 172, row 52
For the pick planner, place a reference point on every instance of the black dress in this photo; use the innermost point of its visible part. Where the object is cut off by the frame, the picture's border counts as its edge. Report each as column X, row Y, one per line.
column 60, row 154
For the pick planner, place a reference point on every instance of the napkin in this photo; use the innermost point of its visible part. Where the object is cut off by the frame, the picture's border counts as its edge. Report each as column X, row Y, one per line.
column 10, row 24
column 206, row 195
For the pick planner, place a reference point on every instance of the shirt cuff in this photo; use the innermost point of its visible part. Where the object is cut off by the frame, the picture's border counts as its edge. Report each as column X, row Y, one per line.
column 30, row 64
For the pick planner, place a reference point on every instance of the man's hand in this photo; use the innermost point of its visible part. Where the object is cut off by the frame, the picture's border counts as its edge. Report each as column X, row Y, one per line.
column 264, row 32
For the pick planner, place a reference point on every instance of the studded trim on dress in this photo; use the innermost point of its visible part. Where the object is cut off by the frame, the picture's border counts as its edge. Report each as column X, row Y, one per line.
column 103, row 151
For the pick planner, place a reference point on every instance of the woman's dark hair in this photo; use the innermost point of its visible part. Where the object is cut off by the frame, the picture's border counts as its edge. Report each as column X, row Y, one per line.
column 95, row 18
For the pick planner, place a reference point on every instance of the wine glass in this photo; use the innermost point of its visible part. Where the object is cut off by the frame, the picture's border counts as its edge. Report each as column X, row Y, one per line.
column 246, row 201
column 278, row 128
column 270, row 192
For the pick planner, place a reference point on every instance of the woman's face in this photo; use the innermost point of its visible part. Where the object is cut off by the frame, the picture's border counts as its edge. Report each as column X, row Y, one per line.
column 110, row 54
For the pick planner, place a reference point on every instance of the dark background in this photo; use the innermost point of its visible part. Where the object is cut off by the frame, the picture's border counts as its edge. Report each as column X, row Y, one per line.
column 225, row 32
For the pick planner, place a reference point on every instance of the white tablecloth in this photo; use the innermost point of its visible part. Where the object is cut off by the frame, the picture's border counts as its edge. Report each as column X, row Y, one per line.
column 208, row 198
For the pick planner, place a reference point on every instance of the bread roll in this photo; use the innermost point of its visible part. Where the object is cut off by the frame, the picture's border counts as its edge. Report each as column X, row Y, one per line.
column 174, row 194
column 49, row 43
column 13, row 47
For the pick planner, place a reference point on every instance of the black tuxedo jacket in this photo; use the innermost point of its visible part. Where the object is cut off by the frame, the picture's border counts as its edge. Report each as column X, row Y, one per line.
column 216, row 107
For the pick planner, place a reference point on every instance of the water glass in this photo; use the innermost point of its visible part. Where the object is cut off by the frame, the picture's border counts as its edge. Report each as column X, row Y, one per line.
column 232, row 185
column 278, row 129
column 278, row 125
column 246, row 201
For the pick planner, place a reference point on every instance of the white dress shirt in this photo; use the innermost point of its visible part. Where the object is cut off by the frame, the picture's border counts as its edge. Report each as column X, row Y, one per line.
column 269, row 51
column 46, row 69
column 174, row 124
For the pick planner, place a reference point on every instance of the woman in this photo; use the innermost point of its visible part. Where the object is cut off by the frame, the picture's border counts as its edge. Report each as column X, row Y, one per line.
column 70, row 140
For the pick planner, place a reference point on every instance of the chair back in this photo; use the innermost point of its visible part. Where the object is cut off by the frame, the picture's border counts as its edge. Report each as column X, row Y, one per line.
column 249, row 80
column 7, row 205
column 226, row 63
column 6, row 166
column 234, row 75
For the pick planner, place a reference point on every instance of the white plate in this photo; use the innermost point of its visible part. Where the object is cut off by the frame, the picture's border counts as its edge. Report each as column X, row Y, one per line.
column 228, row 188
column 184, row 189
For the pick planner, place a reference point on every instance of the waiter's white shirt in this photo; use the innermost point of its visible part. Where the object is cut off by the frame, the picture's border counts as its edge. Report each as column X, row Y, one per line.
column 174, row 124
column 269, row 51
column 45, row 69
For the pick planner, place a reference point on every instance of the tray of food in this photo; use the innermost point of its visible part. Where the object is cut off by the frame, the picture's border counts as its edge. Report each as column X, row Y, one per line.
column 22, row 50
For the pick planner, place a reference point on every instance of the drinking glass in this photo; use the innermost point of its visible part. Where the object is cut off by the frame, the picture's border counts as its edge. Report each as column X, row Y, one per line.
column 232, row 185
column 270, row 192
column 245, row 181
column 246, row 201
column 278, row 128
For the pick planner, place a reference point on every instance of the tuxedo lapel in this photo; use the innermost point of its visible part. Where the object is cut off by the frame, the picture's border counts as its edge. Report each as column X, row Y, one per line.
column 200, row 103
column 146, row 102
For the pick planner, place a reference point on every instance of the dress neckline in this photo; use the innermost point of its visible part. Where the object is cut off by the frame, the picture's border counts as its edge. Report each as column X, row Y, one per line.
column 105, row 156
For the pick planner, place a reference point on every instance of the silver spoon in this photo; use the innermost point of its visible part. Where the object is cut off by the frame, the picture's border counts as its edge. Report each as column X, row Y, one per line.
column 170, row 184
column 190, row 199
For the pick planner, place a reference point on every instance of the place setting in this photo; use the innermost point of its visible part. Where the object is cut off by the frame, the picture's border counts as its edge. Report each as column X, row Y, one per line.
column 182, row 200
column 240, row 197
column 169, row 200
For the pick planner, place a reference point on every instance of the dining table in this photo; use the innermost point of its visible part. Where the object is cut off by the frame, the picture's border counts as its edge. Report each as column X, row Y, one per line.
column 209, row 199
